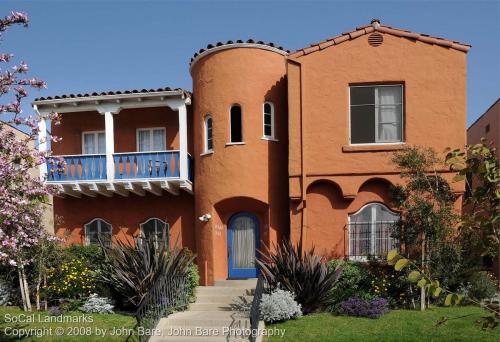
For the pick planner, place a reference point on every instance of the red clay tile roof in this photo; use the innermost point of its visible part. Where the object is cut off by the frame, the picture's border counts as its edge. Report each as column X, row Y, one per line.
column 117, row 92
column 230, row 42
column 360, row 31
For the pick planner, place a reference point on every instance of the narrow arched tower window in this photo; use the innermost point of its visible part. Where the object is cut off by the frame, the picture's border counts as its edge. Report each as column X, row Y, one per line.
column 268, row 120
column 209, row 145
column 236, row 124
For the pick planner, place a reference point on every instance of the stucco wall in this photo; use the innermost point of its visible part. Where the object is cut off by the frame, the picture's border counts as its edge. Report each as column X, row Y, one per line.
column 125, row 214
column 126, row 124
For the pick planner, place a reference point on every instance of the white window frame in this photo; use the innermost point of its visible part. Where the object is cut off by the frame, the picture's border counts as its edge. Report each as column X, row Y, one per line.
column 205, row 128
column 96, row 142
column 372, row 231
column 402, row 142
column 151, row 139
column 242, row 142
column 167, row 230
column 273, row 135
column 85, row 226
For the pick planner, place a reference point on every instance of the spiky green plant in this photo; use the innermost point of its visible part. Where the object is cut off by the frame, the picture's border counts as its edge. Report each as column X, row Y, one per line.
column 302, row 273
column 132, row 268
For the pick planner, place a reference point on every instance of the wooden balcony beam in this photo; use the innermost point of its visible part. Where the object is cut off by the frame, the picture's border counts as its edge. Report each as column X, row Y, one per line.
column 152, row 188
column 168, row 186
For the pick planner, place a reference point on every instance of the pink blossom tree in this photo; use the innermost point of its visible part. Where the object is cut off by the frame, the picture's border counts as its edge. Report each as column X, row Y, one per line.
column 22, row 192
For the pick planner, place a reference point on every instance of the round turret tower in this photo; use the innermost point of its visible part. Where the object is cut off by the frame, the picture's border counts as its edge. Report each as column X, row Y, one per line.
column 240, row 152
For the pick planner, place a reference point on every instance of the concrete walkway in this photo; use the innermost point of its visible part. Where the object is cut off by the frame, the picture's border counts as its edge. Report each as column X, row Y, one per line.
column 212, row 317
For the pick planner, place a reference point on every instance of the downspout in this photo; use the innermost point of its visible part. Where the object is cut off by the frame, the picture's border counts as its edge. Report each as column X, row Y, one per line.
column 303, row 232
column 303, row 224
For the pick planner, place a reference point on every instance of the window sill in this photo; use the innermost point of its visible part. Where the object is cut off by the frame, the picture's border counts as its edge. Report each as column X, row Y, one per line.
column 269, row 139
column 207, row 153
column 373, row 148
column 235, row 143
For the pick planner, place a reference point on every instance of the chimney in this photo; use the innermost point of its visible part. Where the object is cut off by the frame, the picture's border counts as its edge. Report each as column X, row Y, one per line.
column 375, row 24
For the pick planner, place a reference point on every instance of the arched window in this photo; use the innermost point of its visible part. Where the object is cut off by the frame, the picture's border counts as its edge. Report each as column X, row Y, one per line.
column 98, row 230
column 370, row 231
column 268, row 120
column 209, row 145
column 236, row 124
column 156, row 229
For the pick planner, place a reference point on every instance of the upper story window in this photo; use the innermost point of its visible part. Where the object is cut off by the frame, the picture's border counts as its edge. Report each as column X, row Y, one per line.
column 236, row 124
column 370, row 231
column 268, row 120
column 97, row 231
column 209, row 144
column 376, row 114
column 94, row 142
column 151, row 139
column 157, row 230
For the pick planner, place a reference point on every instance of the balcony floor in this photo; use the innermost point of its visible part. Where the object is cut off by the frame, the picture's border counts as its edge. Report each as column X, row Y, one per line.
column 121, row 187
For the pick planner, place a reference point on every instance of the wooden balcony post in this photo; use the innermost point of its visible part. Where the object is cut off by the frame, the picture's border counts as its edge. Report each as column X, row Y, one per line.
column 110, row 145
column 42, row 143
column 183, row 147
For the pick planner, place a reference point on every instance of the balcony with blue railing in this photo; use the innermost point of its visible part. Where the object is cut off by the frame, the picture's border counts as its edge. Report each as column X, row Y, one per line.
column 136, row 172
column 76, row 168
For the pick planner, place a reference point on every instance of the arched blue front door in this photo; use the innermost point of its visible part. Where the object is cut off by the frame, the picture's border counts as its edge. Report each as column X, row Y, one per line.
column 242, row 245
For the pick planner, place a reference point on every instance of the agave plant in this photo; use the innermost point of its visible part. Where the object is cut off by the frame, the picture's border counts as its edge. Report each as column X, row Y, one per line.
column 132, row 268
column 302, row 273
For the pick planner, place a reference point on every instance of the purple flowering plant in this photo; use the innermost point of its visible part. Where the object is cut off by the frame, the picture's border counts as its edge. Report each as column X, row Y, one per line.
column 359, row 307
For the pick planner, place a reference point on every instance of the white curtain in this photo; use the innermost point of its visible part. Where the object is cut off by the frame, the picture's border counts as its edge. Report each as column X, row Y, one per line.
column 243, row 243
column 88, row 143
column 144, row 141
column 389, row 114
column 101, row 143
column 158, row 140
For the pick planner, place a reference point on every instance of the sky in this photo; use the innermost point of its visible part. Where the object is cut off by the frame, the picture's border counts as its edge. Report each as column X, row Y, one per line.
column 85, row 46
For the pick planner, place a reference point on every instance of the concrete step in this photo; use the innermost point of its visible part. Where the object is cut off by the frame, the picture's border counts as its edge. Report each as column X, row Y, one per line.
column 246, row 283
column 205, row 319
column 225, row 299
column 224, row 290
column 211, row 307
column 198, row 334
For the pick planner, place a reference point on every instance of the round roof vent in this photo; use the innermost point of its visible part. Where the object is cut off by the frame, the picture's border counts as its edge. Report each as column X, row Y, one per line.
column 375, row 39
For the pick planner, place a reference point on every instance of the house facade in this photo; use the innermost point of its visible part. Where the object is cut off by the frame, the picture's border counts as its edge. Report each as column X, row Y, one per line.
column 268, row 145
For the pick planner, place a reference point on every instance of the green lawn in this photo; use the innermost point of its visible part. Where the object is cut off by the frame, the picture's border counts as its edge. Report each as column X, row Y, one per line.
column 398, row 325
column 72, row 332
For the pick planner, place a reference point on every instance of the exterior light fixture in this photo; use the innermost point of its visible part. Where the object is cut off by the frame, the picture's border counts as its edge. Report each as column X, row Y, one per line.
column 205, row 218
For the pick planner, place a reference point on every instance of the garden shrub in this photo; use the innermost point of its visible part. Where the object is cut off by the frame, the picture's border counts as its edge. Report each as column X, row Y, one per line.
column 73, row 279
column 55, row 311
column 302, row 273
column 91, row 254
column 392, row 285
column 131, row 269
column 279, row 306
column 360, row 307
column 95, row 304
column 70, row 304
column 193, row 282
column 6, row 292
column 354, row 280
column 482, row 285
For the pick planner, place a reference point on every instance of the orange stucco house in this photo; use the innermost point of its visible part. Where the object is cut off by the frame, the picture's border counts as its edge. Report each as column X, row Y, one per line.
column 268, row 145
